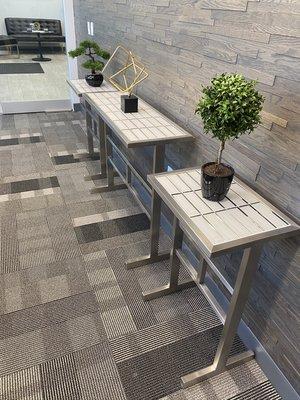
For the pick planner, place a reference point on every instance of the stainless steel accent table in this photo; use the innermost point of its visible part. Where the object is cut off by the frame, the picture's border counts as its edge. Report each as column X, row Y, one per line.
column 147, row 127
column 243, row 220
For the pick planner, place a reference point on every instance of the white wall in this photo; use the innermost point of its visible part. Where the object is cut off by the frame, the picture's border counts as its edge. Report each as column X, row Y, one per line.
column 30, row 9
column 71, row 44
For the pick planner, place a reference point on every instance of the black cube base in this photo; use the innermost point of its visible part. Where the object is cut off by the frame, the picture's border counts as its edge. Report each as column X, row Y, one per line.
column 129, row 104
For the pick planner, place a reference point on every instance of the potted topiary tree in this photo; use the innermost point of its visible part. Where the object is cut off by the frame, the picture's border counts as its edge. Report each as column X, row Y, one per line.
column 91, row 49
column 229, row 108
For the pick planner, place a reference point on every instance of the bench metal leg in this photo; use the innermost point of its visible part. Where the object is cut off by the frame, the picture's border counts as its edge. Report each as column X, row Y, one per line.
column 222, row 361
column 173, row 285
column 154, row 256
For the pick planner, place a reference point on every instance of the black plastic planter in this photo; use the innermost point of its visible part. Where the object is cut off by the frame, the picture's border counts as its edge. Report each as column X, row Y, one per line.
column 215, row 188
column 129, row 104
column 94, row 80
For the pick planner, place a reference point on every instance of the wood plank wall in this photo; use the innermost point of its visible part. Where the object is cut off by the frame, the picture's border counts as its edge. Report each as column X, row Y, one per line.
column 184, row 43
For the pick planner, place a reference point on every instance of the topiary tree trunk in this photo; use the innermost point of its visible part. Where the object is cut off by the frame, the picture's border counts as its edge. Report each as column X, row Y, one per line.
column 220, row 153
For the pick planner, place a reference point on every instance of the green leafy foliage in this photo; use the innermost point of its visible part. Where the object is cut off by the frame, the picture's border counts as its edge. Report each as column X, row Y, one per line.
column 90, row 49
column 77, row 52
column 93, row 65
column 230, row 107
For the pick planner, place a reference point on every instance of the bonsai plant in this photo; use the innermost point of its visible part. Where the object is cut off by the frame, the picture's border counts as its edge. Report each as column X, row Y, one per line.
column 229, row 108
column 91, row 49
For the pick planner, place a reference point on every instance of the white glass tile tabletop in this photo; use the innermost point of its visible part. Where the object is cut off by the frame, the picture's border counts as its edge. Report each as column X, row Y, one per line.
column 147, row 126
column 240, row 219
column 80, row 86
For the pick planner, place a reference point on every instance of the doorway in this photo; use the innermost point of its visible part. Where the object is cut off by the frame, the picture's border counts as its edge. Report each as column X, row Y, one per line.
column 33, row 74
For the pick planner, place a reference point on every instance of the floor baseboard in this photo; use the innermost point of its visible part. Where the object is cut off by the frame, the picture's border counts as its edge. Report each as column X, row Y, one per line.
column 20, row 107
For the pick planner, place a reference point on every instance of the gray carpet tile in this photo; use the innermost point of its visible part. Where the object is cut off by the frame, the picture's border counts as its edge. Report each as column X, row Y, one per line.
column 48, row 282
column 9, row 246
column 9, row 142
column 162, row 334
column 16, row 141
column 195, row 298
column 21, row 352
column 42, row 315
column 10, row 207
column 261, row 391
column 59, row 379
column 7, row 121
column 29, row 185
column 55, row 340
column 70, row 158
column 33, row 175
column 110, row 298
column 85, row 208
column 98, row 374
column 36, row 258
column 112, row 243
column 142, row 312
column 34, row 244
column 106, row 216
column 112, row 228
column 118, row 322
column 24, row 384
column 73, row 324
column 105, row 286
column 230, row 384
column 157, row 373
column 24, row 159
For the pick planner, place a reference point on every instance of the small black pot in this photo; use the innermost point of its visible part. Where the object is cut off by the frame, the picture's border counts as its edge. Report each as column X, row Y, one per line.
column 215, row 188
column 94, row 80
column 129, row 104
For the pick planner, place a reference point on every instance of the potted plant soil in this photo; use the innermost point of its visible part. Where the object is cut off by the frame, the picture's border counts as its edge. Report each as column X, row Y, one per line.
column 91, row 50
column 229, row 108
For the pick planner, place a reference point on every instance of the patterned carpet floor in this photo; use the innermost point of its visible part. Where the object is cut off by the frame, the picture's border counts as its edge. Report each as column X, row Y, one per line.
column 73, row 325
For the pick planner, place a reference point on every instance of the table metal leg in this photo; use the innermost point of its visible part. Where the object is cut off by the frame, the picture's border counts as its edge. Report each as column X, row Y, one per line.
column 101, row 133
column 159, row 158
column 239, row 298
column 40, row 58
column 110, row 170
column 154, row 256
column 90, row 139
column 173, row 285
column 203, row 269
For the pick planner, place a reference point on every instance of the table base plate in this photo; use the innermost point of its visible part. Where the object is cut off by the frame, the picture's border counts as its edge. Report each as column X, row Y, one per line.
column 209, row 372
column 167, row 289
column 41, row 59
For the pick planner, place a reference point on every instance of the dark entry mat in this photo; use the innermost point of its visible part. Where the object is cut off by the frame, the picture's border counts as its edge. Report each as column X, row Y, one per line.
column 21, row 68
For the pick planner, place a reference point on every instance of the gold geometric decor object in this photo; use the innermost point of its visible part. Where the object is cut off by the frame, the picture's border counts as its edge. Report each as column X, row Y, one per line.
column 130, row 72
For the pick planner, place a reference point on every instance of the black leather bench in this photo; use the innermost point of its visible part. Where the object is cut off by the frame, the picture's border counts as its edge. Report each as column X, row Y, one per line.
column 19, row 28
